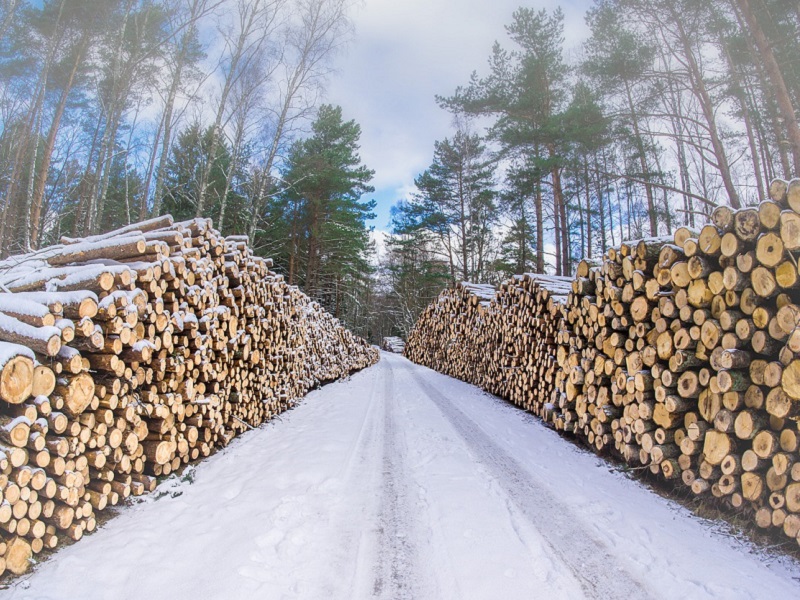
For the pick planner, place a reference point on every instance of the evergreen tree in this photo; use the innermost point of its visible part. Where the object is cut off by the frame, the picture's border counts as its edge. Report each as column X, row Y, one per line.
column 456, row 202
column 520, row 200
column 327, row 244
column 525, row 91
column 189, row 159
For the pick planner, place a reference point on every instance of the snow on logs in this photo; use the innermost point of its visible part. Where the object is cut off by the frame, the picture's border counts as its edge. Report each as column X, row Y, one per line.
column 679, row 354
column 393, row 344
column 127, row 354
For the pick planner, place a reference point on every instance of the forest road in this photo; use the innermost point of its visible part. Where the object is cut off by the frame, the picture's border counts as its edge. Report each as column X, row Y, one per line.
column 399, row 483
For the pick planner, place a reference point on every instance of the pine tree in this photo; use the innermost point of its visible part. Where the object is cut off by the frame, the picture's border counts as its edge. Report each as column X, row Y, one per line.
column 456, row 200
column 189, row 160
column 525, row 91
column 327, row 245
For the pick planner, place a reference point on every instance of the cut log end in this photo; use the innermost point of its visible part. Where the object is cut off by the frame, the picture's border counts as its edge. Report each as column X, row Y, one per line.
column 18, row 556
column 16, row 380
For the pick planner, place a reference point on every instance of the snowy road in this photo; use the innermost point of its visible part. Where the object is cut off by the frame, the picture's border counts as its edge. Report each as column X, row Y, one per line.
column 404, row 484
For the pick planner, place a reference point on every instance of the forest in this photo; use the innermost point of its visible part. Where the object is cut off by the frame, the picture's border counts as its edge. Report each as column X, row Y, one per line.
column 666, row 111
column 114, row 111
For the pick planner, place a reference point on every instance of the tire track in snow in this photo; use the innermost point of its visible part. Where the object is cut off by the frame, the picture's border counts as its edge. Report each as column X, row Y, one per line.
column 594, row 566
column 361, row 468
column 364, row 442
column 394, row 573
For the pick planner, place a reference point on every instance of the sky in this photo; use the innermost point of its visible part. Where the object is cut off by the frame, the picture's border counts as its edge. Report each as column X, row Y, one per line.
column 403, row 54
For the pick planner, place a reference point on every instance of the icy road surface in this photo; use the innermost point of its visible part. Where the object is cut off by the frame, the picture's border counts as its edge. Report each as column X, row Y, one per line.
column 401, row 483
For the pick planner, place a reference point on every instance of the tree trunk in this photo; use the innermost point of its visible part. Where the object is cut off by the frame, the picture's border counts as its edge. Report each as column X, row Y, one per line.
column 47, row 154
column 560, row 215
column 587, row 182
column 651, row 204
column 313, row 248
column 294, row 245
column 26, row 206
column 581, row 217
column 462, row 225
column 539, row 228
column 235, row 151
column 610, row 206
column 778, row 86
column 151, row 167
column 700, row 91
column 450, row 260
column 97, row 221
column 667, row 214
column 86, row 192
column 601, row 208
column 752, row 143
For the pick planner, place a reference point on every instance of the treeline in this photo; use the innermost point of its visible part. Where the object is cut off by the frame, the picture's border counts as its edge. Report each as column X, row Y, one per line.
column 667, row 110
column 112, row 111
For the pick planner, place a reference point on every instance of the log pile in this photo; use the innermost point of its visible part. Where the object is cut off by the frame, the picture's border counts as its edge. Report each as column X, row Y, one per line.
column 502, row 340
column 125, row 355
column 606, row 350
column 453, row 326
column 680, row 354
column 393, row 344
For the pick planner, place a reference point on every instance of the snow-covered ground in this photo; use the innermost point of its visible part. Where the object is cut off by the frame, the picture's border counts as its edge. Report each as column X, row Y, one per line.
column 402, row 483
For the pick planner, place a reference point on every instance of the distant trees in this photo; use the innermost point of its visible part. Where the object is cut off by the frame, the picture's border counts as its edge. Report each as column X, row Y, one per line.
column 413, row 272
column 103, row 105
column 669, row 109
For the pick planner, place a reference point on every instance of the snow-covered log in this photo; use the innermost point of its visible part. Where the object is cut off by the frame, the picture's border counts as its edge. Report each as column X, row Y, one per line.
column 128, row 354
column 46, row 339
column 110, row 249
column 26, row 310
column 141, row 227
column 393, row 344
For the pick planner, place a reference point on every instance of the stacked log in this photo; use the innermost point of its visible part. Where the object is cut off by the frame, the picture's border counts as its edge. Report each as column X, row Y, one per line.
column 126, row 355
column 752, row 401
column 456, row 321
column 393, row 344
column 502, row 340
column 680, row 354
column 521, row 340
column 607, row 352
